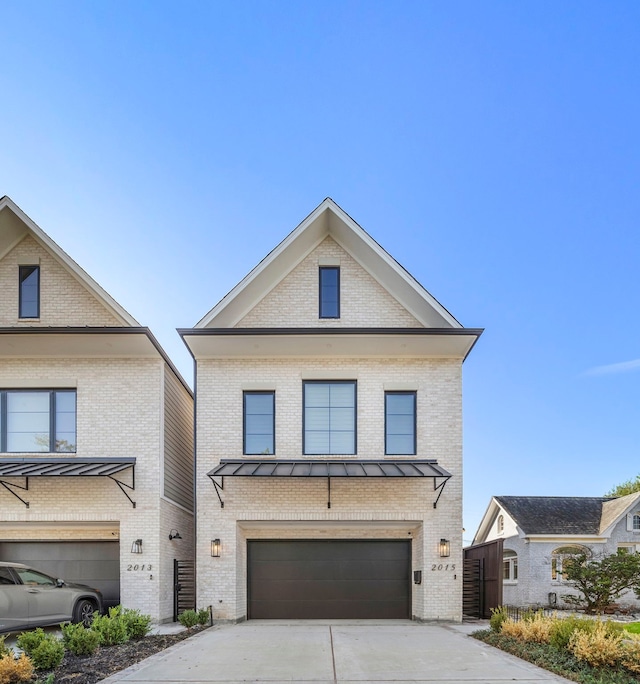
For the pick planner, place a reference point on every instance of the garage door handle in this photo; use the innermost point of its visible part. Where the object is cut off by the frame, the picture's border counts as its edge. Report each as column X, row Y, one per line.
column 33, row 591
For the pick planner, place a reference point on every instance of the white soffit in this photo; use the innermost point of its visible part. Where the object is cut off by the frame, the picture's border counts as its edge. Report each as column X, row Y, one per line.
column 328, row 219
column 15, row 225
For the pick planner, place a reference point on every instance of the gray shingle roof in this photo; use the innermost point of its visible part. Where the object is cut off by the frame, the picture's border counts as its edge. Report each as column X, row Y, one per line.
column 555, row 514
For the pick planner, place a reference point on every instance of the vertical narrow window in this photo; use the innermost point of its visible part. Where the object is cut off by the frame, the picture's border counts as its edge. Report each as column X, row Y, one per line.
column 636, row 523
column 29, row 304
column 400, row 423
column 329, row 417
column 329, row 292
column 259, row 423
column 64, row 423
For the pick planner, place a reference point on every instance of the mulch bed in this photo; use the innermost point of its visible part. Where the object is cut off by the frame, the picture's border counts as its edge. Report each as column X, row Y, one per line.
column 111, row 659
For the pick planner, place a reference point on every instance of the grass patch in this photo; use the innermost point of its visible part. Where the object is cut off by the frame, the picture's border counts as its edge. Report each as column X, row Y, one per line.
column 633, row 627
column 556, row 660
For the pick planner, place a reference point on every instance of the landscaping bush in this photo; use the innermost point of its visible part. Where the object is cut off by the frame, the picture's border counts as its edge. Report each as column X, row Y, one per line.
column 78, row 639
column 188, row 619
column 562, row 629
column 112, row 627
column 15, row 670
column 29, row 641
column 137, row 624
column 535, row 629
column 498, row 616
column 631, row 654
column 48, row 654
column 599, row 647
column 4, row 649
column 203, row 617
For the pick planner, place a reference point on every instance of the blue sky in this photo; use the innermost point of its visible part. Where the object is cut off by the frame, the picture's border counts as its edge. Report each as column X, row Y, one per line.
column 493, row 148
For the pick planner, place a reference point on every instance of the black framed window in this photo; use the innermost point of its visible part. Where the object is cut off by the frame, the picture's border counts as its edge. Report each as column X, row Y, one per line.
column 329, row 292
column 37, row 420
column 29, row 304
column 259, row 423
column 400, row 423
column 329, row 417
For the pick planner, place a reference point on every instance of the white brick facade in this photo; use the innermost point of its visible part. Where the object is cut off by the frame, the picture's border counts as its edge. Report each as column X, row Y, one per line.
column 272, row 508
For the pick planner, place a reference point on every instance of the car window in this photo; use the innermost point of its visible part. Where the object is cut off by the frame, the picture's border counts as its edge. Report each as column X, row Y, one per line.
column 33, row 577
column 6, row 577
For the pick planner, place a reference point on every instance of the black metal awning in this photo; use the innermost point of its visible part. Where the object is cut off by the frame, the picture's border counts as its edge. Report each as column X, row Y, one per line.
column 329, row 468
column 65, row 467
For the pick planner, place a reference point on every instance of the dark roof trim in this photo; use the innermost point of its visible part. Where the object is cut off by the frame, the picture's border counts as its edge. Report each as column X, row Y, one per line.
column 328, row 468
column 100, row 330
column 63, row 467
column 330, row 331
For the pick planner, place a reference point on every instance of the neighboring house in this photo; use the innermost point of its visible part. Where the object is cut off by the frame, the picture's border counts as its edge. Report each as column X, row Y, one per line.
column 96, row 430
column 538, row 532
column 329, row 436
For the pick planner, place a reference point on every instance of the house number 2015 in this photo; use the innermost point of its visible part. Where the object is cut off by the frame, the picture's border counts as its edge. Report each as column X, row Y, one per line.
column 145, row 566
column 443, row 566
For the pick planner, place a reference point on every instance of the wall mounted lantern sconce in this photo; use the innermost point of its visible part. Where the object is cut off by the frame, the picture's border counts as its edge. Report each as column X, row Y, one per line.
column 136, row 547
column 445, row 548
column 417, row 576
column 174, row 534
column 215, row 548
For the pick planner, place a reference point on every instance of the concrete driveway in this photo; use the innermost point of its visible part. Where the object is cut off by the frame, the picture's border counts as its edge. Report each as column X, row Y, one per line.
column 330, row 653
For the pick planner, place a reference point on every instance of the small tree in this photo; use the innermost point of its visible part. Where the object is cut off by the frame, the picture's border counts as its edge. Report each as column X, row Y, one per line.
column 624, row 488
column 601, row 580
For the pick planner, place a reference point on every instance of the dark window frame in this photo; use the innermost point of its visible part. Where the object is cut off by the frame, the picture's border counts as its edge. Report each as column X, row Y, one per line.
column 414, row 394
column 321, row 270
column 245, row 393
column 52, row 419
column 24, row 272
column 355, row 413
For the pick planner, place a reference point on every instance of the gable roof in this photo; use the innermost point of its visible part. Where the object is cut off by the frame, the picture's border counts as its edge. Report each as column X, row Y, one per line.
column 328, row 219
column 16, row 225
column 558, row 515
column 562, row 515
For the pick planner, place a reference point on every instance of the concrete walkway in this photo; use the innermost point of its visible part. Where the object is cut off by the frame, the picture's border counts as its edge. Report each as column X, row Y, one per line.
column 399, row 652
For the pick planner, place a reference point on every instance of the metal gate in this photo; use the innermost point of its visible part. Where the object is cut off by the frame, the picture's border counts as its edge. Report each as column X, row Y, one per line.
column 184, row 587
column 482, row 579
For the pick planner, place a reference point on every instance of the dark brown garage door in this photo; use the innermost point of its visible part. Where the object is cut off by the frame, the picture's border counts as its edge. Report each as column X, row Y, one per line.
column 329, row 579
column 94, row 563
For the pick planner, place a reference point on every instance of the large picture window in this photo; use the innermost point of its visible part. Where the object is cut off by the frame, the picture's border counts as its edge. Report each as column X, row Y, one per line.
column 29, row 304
column 400, row 423
column 329, row 417
column 259, row 423
column 561, row 555
column 37, row 420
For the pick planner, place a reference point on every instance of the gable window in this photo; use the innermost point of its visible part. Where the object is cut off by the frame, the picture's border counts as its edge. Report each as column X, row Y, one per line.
column 500, row 524
column 329, row 420
column 510, row 566
column 560, row 556
column 400, row 423
column 329, row 292
column 37, row 420
column 259, row 423
column 636, row 523
column 29, row 300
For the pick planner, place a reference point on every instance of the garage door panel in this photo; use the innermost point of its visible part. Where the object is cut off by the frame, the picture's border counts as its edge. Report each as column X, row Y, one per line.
column 334, row 579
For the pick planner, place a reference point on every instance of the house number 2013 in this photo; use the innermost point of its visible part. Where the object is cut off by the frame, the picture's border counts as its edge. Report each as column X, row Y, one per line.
column 443, row 566
column 137, row 566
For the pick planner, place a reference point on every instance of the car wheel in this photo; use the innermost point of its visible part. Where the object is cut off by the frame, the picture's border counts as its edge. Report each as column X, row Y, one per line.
column 83, row 612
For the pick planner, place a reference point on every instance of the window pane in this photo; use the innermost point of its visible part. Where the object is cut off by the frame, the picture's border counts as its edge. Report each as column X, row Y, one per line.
column 400, row 410
column 329, row 292
column 505, row 570
column 258, row 423
column 28, row 421
column 514, row 563
column 29, row 291
column 399, row 445
column 400, row 404
column 65, row 421
column 329, row 418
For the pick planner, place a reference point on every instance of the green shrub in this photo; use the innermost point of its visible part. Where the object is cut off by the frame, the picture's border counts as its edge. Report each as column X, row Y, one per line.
column 48, row 653
column 203, row 617
column 188, row 619
column 137, row 624
column 4, row 649
column 112, row 627
column 78, row 639
column 562, row 630
column 498, row 616
column 29, row 641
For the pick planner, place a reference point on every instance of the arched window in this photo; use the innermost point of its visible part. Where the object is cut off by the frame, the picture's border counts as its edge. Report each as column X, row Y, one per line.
column 500, row 524
column 560, row 554
column 636, row 522
column 510, row 566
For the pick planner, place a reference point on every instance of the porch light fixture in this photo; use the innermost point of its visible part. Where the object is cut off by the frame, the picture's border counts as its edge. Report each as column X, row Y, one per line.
column 174, row 534
column 445, row 548
column 136, row 547
column 215, row 548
